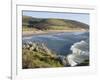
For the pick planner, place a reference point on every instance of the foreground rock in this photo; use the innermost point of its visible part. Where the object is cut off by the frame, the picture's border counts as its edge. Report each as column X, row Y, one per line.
column 38, row 47
column 37, row 55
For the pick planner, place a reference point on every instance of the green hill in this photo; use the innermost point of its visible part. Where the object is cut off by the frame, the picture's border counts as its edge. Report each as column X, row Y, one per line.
column 52, row 23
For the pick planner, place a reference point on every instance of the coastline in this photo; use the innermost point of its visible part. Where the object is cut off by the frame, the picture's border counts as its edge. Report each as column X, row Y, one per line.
column 38, row 32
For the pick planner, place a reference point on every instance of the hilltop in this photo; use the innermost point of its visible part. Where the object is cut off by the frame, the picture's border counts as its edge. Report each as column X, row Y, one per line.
column 52, row 24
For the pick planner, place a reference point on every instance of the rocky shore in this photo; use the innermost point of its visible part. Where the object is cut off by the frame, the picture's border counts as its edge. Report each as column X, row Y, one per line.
column 37, row 55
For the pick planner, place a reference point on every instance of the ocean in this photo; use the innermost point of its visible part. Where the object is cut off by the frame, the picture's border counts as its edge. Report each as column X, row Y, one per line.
column 60, row 43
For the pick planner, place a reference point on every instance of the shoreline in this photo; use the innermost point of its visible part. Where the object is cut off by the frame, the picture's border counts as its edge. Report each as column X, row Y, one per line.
column 40, row 32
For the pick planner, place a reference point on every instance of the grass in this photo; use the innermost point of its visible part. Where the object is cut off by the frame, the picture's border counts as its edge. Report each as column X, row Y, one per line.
column 25, row 28
column 34, row 59
column 51, row 23
column 58, row 28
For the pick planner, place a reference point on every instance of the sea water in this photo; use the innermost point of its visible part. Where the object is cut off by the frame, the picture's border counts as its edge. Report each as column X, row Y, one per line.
column 60, row 43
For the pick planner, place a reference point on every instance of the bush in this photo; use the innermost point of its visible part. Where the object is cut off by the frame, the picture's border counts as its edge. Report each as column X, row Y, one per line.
column 36, row 59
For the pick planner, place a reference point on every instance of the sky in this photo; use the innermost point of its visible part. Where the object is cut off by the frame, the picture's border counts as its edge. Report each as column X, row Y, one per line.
column 81, row 17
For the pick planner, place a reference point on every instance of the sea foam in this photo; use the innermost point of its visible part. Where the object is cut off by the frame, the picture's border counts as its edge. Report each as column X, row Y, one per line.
column 80, row 52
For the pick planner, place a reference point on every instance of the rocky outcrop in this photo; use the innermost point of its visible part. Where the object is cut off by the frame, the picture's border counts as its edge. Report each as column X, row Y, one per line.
column 37, row 46
column 36, row 55
column 63, row 60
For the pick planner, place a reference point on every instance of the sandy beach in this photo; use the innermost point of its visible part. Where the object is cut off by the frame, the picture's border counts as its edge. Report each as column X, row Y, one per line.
column 29, row 33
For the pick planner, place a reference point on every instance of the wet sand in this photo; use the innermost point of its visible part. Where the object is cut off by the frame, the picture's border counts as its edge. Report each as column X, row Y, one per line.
column 38, row 32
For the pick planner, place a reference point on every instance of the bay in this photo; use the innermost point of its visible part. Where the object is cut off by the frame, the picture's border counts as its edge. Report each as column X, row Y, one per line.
column 59, row 43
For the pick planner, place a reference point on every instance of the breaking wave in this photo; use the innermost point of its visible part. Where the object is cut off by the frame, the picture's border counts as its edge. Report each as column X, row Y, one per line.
column 80, row 52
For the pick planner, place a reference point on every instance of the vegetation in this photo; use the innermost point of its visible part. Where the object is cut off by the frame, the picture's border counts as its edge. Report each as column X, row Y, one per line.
column 39, row 57
column 52, row 24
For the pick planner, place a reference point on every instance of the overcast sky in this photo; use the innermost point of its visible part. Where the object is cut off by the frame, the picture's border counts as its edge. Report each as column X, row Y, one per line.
column 81, row 17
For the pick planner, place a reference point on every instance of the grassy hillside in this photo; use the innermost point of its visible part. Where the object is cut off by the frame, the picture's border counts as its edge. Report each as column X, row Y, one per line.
column 52, row 24
column 37, row 55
